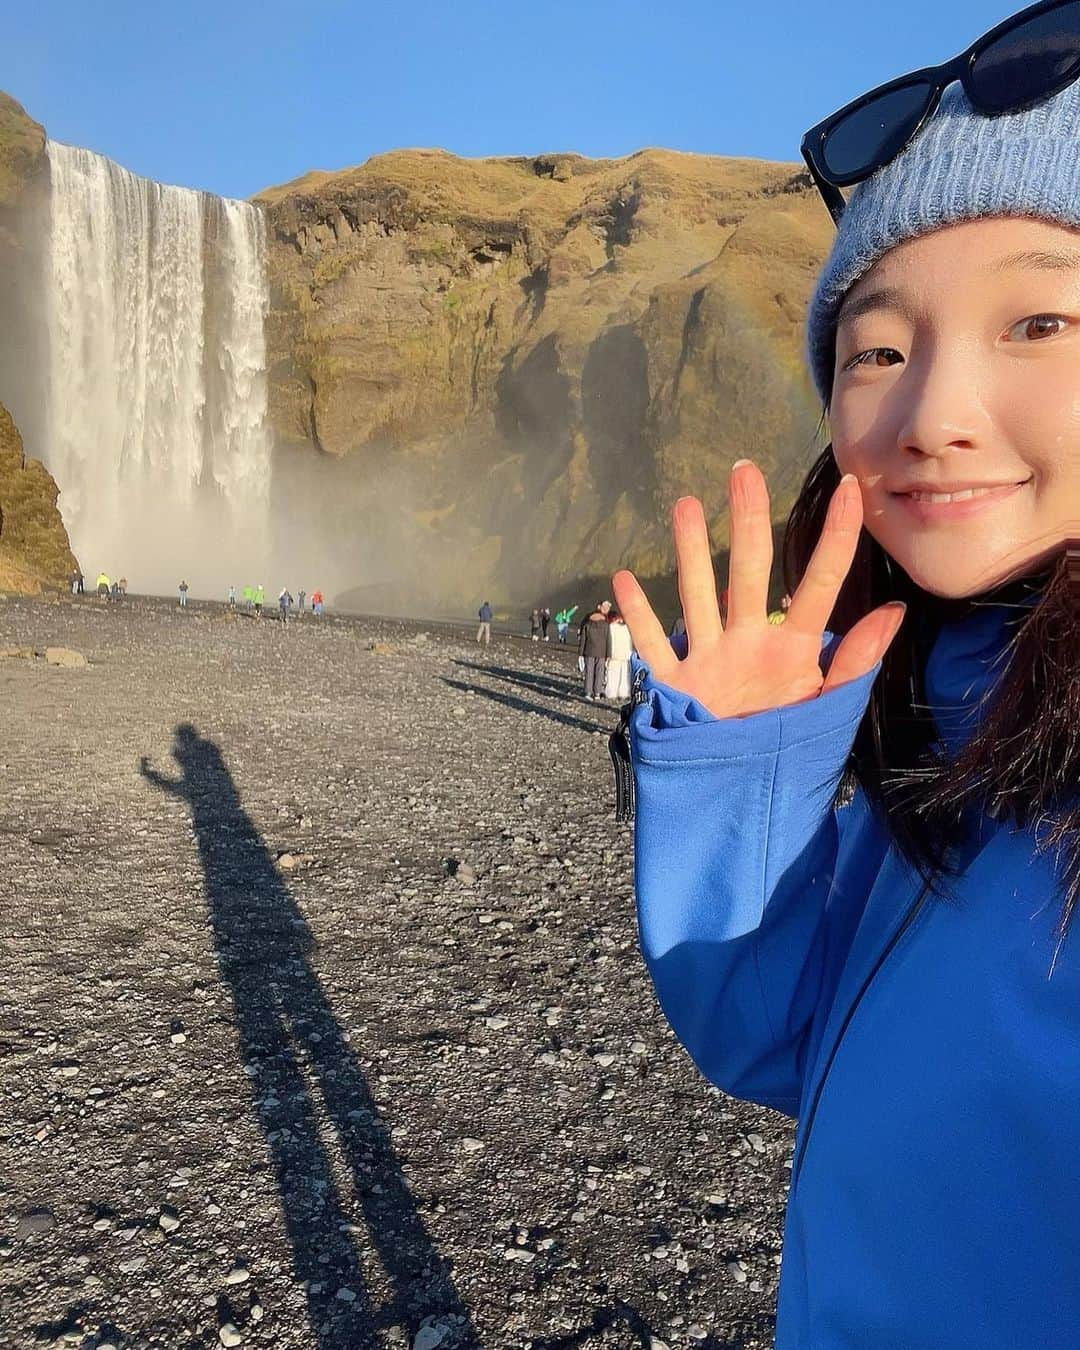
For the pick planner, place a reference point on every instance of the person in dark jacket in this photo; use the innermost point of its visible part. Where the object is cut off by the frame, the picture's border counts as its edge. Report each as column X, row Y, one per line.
column 592, row 649
column 483, row 633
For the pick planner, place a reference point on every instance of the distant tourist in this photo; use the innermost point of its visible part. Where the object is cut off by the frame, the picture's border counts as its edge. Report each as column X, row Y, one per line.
column 76, row 582
column 562, row 621
column 301, row 596
column 592, row 651
column 114, row 593
column 103, row 585
column 316, row 603
column 257, row 601
column 619, row 646
column 779, row 615
column 534, row 625
column 545, row 620
column 285, row 601
column 232, row 597
column 183, row 588
column 483, row 633
column 678, row 628
column 123, row 586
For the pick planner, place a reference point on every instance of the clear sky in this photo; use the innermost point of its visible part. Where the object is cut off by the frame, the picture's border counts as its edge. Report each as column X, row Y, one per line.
column 235, row 95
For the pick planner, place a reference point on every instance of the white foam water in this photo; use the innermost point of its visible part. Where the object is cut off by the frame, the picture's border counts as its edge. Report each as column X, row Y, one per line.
column 156, row 421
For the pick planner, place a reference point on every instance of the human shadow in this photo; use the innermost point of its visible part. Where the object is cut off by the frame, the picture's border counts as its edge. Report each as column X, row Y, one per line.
column 523, row 705
column 302, row 1073
column 552, row 686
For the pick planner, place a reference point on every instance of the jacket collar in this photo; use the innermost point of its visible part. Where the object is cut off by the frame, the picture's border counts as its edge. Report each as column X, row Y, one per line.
column 969, row 654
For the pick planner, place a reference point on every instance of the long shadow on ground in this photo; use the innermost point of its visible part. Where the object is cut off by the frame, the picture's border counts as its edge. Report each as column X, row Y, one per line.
column 523, row 705
column 553, row 686
column 291, row 1048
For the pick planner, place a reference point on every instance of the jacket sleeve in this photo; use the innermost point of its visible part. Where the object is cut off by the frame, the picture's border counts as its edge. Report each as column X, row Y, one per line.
column 736, row 846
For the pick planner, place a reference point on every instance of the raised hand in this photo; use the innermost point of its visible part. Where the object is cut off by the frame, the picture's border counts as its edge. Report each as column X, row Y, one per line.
column 746, row 664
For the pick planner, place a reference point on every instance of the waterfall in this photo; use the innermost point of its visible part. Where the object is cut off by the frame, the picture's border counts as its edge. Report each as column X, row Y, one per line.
column 156, row 429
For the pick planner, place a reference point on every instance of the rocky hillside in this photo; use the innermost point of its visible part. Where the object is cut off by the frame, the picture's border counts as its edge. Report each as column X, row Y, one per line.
column 496, row 375
column 34, row 550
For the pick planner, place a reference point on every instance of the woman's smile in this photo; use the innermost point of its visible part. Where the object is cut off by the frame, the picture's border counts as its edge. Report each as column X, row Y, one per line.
column 928, row 506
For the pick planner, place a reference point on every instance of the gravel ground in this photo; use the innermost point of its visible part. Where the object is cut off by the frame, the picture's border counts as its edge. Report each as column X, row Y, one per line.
column 322, row 1018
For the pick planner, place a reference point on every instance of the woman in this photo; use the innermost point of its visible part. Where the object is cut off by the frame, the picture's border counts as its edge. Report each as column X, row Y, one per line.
column 619, row 648
column 901, row 973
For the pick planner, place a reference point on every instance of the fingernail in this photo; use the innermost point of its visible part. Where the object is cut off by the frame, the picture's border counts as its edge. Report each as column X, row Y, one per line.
column 738, row 462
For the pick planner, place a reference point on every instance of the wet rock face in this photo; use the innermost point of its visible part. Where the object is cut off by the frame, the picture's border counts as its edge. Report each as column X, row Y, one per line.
column 516, row 365
column 325, row 1023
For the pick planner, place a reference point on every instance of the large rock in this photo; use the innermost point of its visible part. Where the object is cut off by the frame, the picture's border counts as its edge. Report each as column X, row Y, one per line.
column 24, row 191
column 34, row 550
column 496, row 375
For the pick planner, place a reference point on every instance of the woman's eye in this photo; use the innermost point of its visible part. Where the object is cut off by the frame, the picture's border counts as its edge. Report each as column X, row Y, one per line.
column 875, row 356
column 1038, row 326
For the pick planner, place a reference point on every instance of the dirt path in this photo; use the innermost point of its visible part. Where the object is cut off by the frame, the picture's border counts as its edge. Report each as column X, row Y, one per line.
column 412, row 1090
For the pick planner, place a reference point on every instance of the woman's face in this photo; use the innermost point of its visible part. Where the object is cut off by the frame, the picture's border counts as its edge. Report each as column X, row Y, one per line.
column 957, row 368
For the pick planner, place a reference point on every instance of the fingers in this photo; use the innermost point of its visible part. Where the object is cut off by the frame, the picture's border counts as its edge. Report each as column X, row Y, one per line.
column 751, row 545
column 863, row 646
column 815, row 598
column 650, row 640
column 697, row 580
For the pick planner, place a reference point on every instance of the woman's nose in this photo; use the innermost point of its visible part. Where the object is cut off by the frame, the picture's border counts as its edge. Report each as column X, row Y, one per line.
column 943, row 407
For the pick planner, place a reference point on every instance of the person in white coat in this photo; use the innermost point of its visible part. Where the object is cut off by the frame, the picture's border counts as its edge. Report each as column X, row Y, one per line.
column 619, row 646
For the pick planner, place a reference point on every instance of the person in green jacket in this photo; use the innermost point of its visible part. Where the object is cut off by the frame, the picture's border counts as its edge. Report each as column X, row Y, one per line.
column 562, row 621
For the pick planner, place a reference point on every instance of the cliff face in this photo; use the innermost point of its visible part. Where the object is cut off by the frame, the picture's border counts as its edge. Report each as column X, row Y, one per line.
column 496, row 375
column 34, row 551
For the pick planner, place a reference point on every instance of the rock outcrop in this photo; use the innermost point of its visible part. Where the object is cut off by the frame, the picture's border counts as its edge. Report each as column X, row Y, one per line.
column 496, row 375
column 34, row 551
column 24, row 195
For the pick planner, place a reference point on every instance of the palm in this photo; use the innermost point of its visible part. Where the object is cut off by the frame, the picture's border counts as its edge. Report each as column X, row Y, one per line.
column 746, row 664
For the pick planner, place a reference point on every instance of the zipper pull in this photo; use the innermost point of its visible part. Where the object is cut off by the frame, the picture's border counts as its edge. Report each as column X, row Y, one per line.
column 619, row 750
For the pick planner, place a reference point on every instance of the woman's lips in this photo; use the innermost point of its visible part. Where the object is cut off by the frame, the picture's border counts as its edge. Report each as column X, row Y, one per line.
column 957, row 510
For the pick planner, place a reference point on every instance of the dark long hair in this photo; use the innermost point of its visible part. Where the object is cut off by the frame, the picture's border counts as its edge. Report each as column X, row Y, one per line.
column 1021, row 765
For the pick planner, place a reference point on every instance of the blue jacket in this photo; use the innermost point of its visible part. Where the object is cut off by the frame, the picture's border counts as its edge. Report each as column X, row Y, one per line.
column 931, row 1059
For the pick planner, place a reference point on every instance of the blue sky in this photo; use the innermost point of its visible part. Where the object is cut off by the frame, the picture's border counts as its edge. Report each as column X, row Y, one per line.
column 236, row 95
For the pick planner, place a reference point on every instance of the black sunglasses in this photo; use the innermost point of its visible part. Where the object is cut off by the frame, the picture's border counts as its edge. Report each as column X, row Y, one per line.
column 1023, row 61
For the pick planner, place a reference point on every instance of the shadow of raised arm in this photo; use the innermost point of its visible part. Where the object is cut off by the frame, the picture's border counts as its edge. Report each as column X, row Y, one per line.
column 172, row 785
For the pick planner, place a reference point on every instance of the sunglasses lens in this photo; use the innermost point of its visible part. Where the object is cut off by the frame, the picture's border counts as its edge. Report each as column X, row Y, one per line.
column 1023, row 64
column 874, row 132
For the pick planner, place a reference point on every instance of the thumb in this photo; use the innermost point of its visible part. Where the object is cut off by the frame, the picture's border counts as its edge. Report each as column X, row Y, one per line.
column 864, row 645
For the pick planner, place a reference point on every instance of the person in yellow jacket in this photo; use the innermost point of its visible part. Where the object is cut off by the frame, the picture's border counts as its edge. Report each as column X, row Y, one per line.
column 779, row 615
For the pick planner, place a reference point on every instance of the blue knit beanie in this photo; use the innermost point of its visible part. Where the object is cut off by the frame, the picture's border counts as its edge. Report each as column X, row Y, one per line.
column 961, row 166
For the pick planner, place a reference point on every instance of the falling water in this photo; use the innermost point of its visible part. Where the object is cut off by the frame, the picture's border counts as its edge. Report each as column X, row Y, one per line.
column 156, row 424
